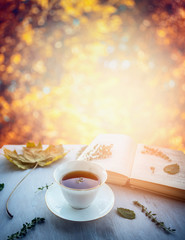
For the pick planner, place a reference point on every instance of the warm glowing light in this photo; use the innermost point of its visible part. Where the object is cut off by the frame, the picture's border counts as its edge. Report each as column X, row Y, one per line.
column 70, row 70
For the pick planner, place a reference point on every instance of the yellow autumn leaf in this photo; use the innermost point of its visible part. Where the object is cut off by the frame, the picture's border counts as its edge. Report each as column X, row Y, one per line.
column 34, row 154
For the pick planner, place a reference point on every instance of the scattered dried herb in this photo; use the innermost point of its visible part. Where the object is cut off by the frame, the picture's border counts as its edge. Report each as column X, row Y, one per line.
column 25, row 228
column 172, row 169
column 126, row 213
column 1, row 186
column 99, row 152
column 152, row 169
column 155, row 152
column 152, row 217
column 44, row 187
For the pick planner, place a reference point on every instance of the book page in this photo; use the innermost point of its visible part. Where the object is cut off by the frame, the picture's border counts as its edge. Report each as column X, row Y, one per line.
column 123, row 151
column 149, row 167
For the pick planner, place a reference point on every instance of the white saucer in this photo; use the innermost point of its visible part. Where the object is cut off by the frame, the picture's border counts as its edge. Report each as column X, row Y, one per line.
column 102, row 205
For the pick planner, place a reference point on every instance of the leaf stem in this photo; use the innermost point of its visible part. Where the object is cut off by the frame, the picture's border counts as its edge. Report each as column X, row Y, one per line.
column 9, row 214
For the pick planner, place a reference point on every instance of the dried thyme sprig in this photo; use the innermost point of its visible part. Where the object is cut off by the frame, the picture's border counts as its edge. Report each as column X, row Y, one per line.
column 80, row 180
column 155, row 152
column 152, row 217
column 1, row 186
column 43, row 187
column 25, row 228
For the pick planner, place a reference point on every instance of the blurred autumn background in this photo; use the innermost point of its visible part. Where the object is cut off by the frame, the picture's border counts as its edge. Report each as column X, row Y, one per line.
column 72, row 69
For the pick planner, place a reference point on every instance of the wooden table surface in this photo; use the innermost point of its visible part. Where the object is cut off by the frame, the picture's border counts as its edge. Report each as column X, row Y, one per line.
column 27, row 203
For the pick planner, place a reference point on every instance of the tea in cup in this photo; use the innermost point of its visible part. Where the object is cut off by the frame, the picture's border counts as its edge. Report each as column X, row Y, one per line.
column 80, row 181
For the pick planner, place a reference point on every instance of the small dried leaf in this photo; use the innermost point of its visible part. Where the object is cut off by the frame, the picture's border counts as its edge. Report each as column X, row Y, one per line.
column 126, row 213
column 172, row 169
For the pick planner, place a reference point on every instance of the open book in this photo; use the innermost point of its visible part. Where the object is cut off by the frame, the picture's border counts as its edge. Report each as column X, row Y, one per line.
column 155, row 169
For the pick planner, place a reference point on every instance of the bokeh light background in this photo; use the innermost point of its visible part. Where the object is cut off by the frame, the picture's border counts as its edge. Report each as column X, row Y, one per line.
column 72, row 69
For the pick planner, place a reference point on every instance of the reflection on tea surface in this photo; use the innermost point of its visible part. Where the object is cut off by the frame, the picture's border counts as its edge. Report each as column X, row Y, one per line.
column 80, row 180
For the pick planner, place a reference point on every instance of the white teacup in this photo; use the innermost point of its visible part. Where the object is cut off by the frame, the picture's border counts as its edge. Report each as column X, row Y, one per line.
column 80, row 198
